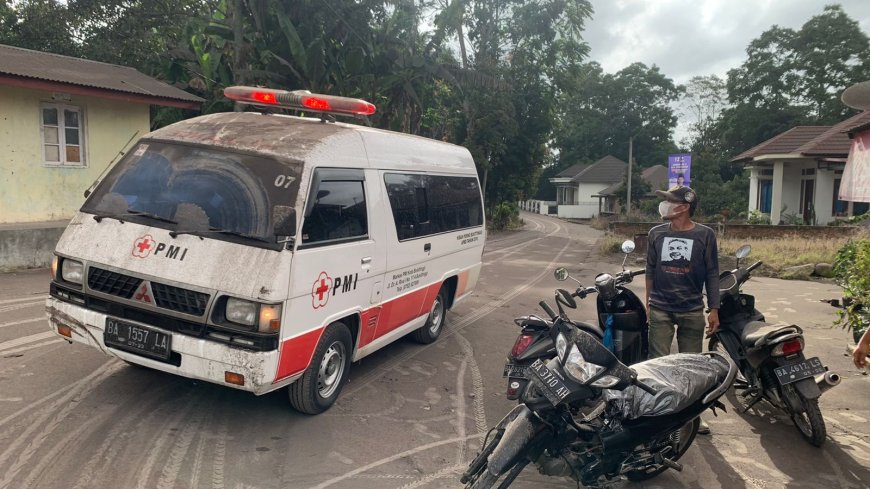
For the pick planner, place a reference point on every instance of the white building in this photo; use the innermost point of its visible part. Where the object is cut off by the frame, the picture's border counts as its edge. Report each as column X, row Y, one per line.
column 579, row 187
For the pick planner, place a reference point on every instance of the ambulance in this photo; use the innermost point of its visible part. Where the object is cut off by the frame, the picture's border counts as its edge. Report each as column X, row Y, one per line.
column 260, row 250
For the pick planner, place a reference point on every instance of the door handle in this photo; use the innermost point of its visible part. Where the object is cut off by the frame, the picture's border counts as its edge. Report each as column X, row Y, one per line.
column 427, row 247
column 367, row 260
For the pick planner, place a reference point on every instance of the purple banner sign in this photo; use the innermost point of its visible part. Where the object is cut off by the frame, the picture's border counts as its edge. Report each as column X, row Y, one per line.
column 679, row 170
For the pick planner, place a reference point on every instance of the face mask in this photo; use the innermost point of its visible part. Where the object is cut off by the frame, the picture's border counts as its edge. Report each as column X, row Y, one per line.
column 666, row 208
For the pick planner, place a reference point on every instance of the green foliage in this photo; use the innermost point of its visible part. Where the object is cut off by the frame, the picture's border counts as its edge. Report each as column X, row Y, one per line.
column 755, row 216
column 503, row 216
column 852, row 269
column 639, row 188
column 599, row 112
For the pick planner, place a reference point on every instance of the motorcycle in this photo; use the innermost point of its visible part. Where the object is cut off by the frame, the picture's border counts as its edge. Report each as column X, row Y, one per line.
column 588, row 416
column 770, row 356
column 622, row 325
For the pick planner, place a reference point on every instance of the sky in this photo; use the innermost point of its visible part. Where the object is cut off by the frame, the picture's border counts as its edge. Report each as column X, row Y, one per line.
column 685, row 38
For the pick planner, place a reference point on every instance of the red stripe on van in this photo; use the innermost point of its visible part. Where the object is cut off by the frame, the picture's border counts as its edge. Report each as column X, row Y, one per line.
column 296, row 353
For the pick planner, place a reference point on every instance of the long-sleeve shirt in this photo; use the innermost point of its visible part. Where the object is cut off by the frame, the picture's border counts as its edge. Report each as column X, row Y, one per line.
column 681, row 264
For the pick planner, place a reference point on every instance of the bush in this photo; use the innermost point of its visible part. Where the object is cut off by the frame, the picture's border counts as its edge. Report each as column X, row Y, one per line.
column 504, row 215
column 757, row 217
column 852, row 269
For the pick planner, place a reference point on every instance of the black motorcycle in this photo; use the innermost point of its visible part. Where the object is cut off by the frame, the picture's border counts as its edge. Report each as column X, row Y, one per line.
column 770, row 356
column 622, row 324
column 587, row 416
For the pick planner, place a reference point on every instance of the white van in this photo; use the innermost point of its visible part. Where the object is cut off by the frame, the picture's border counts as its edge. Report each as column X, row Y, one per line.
column 186, row 256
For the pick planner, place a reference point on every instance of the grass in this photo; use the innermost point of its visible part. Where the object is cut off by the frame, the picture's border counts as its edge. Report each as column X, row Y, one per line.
column 611, row 244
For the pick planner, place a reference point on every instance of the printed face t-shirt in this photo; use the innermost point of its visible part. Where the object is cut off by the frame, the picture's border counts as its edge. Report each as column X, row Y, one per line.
column 681, row 264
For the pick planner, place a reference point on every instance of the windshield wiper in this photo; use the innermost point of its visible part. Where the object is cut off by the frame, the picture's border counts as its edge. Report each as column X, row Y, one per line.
column 175, row 234
column 131, row 212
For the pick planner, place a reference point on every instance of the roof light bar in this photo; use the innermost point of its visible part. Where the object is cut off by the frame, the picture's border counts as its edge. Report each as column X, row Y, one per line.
column 299, row 99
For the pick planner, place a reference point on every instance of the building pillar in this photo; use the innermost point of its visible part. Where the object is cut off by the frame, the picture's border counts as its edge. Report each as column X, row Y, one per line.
column 777, row 197
column 823, row 201
column 753, row 189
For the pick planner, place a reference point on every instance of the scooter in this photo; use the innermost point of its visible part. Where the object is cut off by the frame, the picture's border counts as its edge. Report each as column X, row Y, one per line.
column 770, row 356
column 588, row 416
column 622, row 324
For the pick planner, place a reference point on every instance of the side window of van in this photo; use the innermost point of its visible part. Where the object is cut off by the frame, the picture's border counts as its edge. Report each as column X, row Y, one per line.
column 336, row 209
column 424, row 205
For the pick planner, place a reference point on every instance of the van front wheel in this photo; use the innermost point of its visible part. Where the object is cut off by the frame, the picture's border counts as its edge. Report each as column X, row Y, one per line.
column 435, row 322
column 320, row 385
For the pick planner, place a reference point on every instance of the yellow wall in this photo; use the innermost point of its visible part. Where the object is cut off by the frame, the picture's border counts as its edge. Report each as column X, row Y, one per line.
column 31, row 191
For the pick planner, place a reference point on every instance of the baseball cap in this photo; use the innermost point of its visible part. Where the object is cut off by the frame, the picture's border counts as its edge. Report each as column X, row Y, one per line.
column 682, row 195
column 858, row 96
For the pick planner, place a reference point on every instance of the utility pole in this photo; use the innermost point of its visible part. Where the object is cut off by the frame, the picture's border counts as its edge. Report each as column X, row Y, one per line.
column 628, row 199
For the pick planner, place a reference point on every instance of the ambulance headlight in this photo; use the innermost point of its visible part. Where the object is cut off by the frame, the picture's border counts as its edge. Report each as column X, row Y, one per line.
column 71, row 271
column 242, row 312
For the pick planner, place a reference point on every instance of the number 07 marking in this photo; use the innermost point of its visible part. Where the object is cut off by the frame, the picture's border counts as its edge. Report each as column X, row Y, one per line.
column 284, row 181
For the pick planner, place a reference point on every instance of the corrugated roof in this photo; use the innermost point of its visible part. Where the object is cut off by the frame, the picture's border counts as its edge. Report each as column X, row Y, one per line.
column 835, row 141
column 572, row 170
column 609, row 169
column 94, row 74
column 785, row 143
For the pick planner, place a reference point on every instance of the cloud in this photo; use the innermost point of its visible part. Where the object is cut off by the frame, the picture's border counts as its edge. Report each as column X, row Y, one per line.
column 687, row 38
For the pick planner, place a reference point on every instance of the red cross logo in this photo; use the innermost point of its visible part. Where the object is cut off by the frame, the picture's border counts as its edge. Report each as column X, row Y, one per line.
column 142, row 246
column 320, row 290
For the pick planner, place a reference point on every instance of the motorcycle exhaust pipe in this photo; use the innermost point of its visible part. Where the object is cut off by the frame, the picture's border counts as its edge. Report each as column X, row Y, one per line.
column 825, row 382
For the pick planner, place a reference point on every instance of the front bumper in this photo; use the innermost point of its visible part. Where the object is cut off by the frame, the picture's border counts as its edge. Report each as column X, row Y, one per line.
column 195, row 358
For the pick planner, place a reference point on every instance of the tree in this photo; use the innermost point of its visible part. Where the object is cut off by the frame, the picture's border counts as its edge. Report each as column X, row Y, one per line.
column 602, row 111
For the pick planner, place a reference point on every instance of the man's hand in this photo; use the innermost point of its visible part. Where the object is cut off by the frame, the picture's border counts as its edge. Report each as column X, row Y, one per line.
column 712, row 322
column 859, row 356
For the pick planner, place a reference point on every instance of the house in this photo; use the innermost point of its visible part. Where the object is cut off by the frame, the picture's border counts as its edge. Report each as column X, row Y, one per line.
column 578, row 187
column 62, row 121
column 798, row 173
column 655, row 176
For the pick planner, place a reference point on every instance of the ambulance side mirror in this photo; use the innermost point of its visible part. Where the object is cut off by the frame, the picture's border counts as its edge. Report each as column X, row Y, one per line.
column 284, row 220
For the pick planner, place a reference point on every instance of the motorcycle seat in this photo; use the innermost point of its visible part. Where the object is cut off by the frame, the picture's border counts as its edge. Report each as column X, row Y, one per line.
column 757, row 333
column 591, row 328
column 679, row 380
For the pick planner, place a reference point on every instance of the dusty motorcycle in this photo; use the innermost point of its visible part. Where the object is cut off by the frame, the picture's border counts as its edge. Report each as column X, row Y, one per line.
column 588, row 416
column 770, row 356
column 622, row 325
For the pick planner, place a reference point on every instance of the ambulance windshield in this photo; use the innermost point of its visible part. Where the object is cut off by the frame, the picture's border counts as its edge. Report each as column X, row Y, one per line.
column 196, row 190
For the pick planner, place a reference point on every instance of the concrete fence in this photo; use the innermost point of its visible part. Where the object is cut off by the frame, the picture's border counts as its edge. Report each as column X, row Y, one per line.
column 28, row 245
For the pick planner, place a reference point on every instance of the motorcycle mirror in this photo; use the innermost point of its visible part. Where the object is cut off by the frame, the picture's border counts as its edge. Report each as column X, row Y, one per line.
column 561, row 274
column 743, row 251
column 627, row 246
column 565, row 297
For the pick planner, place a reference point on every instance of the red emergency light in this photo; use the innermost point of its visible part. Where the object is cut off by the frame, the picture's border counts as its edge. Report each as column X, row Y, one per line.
column 299, row 99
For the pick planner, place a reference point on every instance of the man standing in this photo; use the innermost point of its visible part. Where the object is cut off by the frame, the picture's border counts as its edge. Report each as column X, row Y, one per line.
column 682, row 259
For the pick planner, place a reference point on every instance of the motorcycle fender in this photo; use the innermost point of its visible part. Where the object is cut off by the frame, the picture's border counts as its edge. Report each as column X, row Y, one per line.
column 517, row 436
column 808, row 388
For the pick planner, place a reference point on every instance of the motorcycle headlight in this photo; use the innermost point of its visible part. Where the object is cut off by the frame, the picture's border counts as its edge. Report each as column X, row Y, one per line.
column 579, row 369
column 72, row 271
column 561, row 345
column 240, row 311
column 606, row 382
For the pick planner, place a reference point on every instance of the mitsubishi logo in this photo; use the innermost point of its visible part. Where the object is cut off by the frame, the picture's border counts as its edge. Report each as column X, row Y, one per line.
column 320, row 290
column 144, row 293
column 142, row 246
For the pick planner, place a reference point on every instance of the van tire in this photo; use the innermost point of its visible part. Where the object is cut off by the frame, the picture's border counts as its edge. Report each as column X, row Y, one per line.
column 435, row 322
column 320, row 385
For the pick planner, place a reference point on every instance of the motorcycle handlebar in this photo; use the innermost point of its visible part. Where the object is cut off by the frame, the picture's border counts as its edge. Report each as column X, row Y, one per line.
column 638, row 272
column 546, row 307
column 754, row 266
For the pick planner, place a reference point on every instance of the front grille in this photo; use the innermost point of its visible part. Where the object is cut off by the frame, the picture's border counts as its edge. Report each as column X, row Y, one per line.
column 178, row 299
column 112, row 283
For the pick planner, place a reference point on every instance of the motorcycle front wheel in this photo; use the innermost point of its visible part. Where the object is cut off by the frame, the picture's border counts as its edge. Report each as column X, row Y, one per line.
column 685, row 437
column 809, row 423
